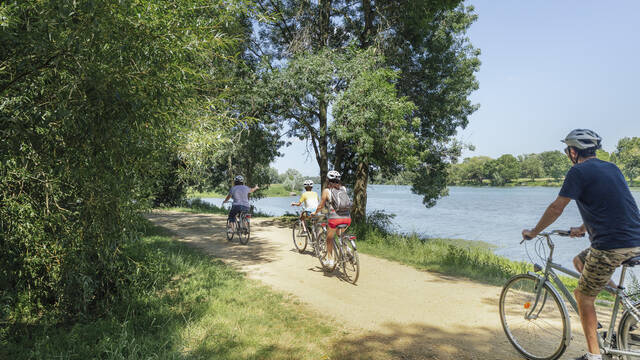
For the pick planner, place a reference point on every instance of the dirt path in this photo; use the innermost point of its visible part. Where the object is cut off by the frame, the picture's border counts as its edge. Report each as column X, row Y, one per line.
column 394, row 311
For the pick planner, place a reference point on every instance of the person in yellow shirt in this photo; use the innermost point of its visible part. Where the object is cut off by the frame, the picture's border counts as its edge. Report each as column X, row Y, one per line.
column 309, row 200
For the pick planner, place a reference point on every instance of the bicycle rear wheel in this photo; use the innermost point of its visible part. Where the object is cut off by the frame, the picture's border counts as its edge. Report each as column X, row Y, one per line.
column 536, row 329
column 629, row 333
column 351, row 262
column 230, row 230
column 299, row 240
column 244, row 231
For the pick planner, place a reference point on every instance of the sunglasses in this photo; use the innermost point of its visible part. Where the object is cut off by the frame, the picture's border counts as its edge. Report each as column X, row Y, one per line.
column 566, row 150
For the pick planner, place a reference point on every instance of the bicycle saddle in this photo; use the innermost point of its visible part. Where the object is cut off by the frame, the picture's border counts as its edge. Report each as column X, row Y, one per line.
column 632, row 261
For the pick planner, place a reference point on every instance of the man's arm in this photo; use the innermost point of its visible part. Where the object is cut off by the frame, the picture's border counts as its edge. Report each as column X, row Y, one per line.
column 550, row 215
column 227, row 198
column 254, row 189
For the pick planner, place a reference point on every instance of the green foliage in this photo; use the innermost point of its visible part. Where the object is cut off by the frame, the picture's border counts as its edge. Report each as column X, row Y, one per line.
column 95, row 99
column 469, row 259
column 627, row 155
column 507, row 169
column 531, row 166
column 555, row 163
column 292, row 180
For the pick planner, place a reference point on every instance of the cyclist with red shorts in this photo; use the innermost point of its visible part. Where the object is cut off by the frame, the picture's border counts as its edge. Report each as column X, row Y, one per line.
column 337, row 201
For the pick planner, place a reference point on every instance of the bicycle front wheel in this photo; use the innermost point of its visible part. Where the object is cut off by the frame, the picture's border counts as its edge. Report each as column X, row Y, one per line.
column 629, row 333
column 536, row 328
column 244, row 230
column 351, row 262
column 299, row 240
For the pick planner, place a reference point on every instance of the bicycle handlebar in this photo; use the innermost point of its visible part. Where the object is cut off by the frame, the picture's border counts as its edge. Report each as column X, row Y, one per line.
column 564, row 233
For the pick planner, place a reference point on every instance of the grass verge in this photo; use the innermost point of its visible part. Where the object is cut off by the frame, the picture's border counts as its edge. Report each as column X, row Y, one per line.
column 470, row 259
column 182, row 304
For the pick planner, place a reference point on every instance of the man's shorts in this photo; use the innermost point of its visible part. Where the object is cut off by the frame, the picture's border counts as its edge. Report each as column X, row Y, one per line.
column 599, row 265
column 236, row 209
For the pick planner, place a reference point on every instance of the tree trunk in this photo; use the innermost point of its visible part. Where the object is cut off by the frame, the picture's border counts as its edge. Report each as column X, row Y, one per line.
column 323, row 142
column 367, row 31
column 359, row 208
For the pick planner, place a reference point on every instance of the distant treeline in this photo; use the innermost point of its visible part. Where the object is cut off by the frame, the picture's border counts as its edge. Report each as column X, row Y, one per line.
column 551, row 166
column 546, row 168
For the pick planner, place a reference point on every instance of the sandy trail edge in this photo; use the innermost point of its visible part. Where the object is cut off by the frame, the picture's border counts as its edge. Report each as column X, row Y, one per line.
column 396, row 312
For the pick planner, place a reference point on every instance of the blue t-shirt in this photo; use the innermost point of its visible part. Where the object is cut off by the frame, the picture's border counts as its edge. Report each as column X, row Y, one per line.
column 240, row 195
column 608, row 210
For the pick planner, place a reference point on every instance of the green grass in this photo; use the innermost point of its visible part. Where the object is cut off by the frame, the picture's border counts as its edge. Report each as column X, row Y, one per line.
column 470, row 259
column 182, row 304
column 451, row 257
column 274, row 190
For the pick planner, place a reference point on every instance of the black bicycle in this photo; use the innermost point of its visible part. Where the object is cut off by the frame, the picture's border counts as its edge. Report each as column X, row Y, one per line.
column 242, row 227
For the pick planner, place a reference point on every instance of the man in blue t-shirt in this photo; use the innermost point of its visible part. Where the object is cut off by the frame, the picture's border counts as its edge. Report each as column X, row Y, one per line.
column 610, row 216
column 240, row 195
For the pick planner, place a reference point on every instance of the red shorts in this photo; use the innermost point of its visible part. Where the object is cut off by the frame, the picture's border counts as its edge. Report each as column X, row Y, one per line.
column 333, row 223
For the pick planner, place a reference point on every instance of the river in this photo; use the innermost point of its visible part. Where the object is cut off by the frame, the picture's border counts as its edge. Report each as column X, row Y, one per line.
column 490, row 214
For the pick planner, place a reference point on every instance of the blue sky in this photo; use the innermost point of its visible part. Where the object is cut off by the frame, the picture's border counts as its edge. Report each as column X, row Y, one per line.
column 547, row 67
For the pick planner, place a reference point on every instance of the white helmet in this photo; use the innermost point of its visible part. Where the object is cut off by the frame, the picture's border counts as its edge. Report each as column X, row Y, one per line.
column 583, row 139
column 239, row 179
column 308, row 183
column 333, row 175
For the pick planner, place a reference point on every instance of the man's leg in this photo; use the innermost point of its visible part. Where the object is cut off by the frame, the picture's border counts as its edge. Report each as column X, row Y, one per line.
column 331, row 232
column 589, row 320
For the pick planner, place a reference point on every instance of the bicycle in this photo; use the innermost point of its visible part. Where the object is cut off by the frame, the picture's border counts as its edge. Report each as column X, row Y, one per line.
column 531, row 309
column 242, row 227
column 301, row 234
column 345, row 252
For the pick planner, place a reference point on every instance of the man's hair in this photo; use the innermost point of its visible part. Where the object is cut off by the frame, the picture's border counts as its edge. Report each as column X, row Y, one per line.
column 585, row 153
column 308, row 187
column 237, row 182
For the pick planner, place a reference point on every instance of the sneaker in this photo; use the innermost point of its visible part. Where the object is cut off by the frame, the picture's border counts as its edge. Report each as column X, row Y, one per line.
column 329, row 263
column 586, row 357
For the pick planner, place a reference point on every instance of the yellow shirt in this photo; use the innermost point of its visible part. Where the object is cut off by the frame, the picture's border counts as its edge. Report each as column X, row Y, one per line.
column 309, row 200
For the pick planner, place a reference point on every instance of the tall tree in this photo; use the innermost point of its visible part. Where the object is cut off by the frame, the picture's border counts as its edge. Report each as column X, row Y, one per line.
column 425, row 40
column 371, row 122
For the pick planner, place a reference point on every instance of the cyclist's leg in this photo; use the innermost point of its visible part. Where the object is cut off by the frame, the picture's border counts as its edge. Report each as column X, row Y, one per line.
column 598, row 267
column 232, row 216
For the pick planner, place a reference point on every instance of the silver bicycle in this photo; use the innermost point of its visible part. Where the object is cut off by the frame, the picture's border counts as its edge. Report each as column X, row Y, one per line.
column 535, row 318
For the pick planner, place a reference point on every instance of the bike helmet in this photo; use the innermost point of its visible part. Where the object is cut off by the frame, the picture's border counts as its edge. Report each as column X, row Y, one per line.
column 333, row 175
column 239, row 179
column 308, row 183
column 583, row 139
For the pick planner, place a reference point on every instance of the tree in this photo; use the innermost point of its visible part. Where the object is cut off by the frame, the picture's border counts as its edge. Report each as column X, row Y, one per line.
column 425, row 40
column 292, row 180
column 555, row 164
column 371, row 120
column 96, row 97
column 531, row 166
column 474, row 169
column 628, row 157
column 603, row 155
column 508, row 167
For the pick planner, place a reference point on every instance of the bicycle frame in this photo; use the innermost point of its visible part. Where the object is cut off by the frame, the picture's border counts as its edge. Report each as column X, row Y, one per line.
column 621, row 298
